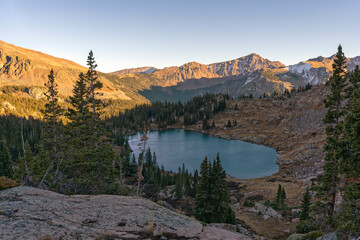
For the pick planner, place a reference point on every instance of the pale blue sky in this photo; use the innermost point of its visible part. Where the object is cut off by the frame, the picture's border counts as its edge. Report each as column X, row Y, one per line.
column 157, row 33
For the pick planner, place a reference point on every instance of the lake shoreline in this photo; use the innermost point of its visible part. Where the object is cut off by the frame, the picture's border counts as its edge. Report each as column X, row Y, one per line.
column 240, row 159
column 190, row 128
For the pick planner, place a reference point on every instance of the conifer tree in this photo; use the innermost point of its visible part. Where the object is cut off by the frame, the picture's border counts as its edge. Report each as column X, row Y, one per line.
column 212, row 200
column 203, row 211
column 213, row 126
column 41, row 164
column 5, row 160
column 52, row 113
column 134, row 165
column 279, row 195
column 196, row 178
column 93, row 85
column 334, row 149
column 178, row 188
column 79, row 113
column 157, row 179
column 188, row 188
column 24, row 166
column 283, row 195
column 219, row 193
column 127, row 164
column 350, row 163
column 229, row 123
column 305, row 205
column 90, row 157
column 205, row 124
column 349, row 218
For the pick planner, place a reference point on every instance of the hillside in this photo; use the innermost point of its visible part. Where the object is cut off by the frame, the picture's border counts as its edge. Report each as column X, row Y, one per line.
column 23, row 73
column 25, row 67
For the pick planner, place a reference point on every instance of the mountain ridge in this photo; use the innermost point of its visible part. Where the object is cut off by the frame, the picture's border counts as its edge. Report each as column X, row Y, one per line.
column 247, row 75
column 26, row 67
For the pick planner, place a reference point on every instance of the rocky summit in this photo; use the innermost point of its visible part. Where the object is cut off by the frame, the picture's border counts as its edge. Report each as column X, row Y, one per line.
column 31, row 213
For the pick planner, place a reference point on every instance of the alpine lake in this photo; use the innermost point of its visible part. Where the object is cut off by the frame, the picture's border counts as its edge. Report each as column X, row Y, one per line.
column 239, row 159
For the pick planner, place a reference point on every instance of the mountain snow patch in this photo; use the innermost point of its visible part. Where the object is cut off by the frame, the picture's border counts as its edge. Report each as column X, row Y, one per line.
column 150, row 70
column 300, row 68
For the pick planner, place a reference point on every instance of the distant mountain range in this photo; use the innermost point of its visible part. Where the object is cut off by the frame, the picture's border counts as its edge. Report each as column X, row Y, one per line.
column 246, row 75
column 250, row 74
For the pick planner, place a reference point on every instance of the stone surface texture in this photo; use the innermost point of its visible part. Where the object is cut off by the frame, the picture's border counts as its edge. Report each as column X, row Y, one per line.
column 31, row 213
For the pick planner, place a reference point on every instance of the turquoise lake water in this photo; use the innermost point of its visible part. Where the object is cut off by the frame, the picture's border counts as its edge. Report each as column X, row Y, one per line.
column 239, row 159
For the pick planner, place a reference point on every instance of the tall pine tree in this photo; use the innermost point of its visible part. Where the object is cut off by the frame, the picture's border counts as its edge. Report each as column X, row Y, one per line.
column 79, row 112
column 350, row 164
column 349, row 218
column 52, row 114
column 305, row 205
column 90, row 157
column 94, row 85
column 333, row 119
column 212, row 199
column 203, row 211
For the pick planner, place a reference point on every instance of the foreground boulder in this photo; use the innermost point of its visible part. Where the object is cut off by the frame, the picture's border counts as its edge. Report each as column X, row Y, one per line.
column 31, row 213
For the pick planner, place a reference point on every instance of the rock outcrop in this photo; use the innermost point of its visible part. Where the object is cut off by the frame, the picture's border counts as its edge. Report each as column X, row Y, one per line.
column 30, row 213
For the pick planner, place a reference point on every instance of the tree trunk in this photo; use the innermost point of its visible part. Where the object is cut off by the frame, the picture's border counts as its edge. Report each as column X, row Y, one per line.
column 120, row 171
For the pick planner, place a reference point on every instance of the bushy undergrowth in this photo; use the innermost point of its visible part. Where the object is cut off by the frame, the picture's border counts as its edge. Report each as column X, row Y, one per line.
column 7, row 183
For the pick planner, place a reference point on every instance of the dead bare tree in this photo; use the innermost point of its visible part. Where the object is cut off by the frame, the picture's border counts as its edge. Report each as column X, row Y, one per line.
column 142, row 143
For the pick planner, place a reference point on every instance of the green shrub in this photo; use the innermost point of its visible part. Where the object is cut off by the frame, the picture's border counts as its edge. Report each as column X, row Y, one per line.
column 257, row 197
column 125, row 191
column 248, row 203
column 306, row 226
column 7, row 183
column 312, row 235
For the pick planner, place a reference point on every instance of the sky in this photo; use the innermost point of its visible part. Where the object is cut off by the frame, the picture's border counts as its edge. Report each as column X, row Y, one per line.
column 162, row 33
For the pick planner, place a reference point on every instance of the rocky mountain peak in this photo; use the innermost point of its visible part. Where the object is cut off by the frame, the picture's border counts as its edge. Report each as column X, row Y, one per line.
column 146, row 69
column 319, row 59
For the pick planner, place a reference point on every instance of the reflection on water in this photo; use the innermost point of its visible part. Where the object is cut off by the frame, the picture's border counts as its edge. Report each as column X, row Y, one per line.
column 239, row 159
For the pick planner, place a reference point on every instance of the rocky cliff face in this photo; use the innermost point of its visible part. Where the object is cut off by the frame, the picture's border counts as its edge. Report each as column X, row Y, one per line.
column 30, row 213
